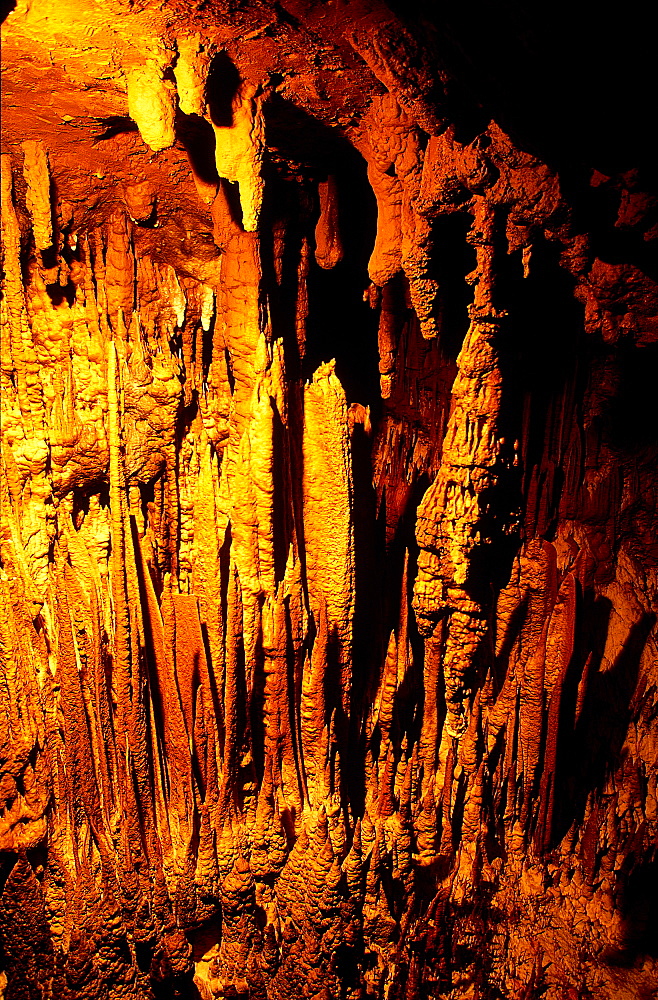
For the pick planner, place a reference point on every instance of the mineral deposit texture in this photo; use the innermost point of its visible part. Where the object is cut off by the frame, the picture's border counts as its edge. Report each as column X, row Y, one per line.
column 329, row 512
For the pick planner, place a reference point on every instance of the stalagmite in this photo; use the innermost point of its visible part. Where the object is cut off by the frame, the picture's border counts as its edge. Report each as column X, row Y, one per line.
column 328, row 529
column 37, row 178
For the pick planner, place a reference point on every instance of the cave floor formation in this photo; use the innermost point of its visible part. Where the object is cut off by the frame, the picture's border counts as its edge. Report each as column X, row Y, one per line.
column 329, row 512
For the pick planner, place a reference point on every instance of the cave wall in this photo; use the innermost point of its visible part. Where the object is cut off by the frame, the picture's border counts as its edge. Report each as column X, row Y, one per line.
column 329, row 512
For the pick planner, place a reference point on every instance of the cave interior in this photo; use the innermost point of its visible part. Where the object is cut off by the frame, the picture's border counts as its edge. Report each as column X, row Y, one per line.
column 329, row 501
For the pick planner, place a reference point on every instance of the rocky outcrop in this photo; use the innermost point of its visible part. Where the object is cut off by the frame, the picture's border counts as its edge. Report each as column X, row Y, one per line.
column 328, row 574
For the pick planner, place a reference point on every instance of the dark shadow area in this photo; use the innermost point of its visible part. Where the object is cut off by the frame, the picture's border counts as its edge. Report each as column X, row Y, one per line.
column 340, row 324
column 490, row 564
column 214, row 690
column 286, row 209
column 593, row 618
column 180, row 987
column 49, row 256
column 81, row 498
column 452, row 259
column 379, row 615
column 540, row 341
column 639, row 911
column 6, row 7
column 149, row 221
column 570, row 82
column 295, row 652
column 61, row 293
column 631, row 422
column 7, row 861
column 198, row 138
column 615, row 245
column 590, row 746
column 204, row 937
column 299, row 142
column 113, row 125
column 222, row 85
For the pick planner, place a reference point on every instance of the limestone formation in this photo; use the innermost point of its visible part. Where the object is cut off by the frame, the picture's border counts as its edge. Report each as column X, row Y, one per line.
column 328, row 506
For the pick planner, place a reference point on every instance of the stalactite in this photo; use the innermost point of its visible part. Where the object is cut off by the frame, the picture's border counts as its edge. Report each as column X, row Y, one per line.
column 190, row 72
column 151, row 101
column 328, row 248
column 239, row 151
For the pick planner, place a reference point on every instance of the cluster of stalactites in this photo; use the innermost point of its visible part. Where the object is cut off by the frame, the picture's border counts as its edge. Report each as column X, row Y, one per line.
column 152, row 100
column 180, row 692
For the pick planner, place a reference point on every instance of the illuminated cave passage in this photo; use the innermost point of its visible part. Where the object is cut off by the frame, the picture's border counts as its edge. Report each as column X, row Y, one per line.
column 328, row 587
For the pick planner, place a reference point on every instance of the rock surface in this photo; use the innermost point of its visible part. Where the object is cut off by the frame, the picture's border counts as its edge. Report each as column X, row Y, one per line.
column 329, row 572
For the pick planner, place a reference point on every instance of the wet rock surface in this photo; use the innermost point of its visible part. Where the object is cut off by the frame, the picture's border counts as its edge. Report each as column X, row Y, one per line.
column 329, row 571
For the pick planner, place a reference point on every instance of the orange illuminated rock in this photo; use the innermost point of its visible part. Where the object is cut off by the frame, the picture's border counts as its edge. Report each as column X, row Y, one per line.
column 328, row 574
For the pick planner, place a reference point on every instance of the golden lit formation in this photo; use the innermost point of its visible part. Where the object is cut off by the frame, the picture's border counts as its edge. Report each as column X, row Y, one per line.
column 328, row 586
